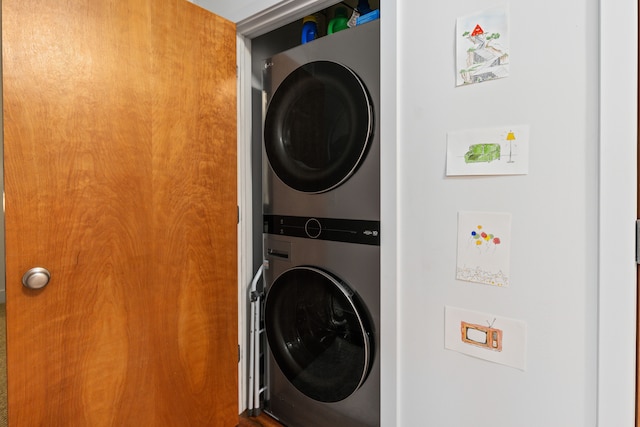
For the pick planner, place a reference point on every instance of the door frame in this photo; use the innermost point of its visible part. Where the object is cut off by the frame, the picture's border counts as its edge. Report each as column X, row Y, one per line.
column 618, row 204
column 261, row 23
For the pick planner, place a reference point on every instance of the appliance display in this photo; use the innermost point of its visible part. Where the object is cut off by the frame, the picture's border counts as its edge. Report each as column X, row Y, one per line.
column 321, row 317
column 321, row 147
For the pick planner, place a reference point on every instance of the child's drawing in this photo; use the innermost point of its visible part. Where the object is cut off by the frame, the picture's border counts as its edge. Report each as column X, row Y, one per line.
column 488, row 151
column 486, row 336
column 483, row 247
column 482, row 153
column 481, row 335
column 482, row 46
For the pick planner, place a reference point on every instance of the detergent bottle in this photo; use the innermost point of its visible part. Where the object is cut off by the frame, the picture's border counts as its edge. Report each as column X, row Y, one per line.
column 309, row 29
column 363, row 7
column 365, row 12
column 339, row 21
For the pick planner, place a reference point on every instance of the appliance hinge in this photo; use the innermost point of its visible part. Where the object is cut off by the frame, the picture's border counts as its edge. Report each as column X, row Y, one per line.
column 637, row 241
column 238, row 213
column 238, row 353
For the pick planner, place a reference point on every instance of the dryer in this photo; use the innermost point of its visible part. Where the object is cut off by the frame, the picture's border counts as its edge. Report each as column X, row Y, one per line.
column 321, row 319
column 321, row 145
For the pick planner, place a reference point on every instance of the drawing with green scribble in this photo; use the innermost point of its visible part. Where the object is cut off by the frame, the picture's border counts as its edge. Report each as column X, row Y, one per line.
column 482, row 153
column 499, row 150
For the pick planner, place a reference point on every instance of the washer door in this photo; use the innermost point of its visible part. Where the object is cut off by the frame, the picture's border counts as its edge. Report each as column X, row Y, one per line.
column 318, row 126
column 318, row 333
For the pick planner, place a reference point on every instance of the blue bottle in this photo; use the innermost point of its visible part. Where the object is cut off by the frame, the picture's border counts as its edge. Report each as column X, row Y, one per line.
column 365, row 12
column 309, row 29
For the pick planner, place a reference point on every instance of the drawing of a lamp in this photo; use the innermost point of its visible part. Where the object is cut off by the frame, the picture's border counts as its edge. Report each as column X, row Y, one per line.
column 510, row 138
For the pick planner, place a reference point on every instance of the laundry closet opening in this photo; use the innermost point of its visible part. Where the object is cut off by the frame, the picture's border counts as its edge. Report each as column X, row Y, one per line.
column 316, row 204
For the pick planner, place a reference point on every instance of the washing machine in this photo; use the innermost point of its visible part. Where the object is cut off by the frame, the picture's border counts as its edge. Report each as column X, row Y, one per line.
column 321, row 139
column 321, row 320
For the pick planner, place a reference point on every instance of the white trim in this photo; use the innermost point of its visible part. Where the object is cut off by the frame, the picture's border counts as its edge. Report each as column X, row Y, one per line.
column 278, row 15
column 618, row 188
column 390, row 280
column 245, row 228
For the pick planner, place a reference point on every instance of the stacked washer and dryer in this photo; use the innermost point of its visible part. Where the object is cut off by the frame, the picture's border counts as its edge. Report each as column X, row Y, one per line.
column 321, row 206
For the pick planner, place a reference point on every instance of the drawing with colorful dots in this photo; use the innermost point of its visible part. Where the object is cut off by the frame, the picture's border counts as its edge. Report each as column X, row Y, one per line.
column 483, row 247
column 482, row 240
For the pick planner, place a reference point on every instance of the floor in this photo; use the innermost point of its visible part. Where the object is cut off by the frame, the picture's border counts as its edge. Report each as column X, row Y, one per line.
column 262, row 420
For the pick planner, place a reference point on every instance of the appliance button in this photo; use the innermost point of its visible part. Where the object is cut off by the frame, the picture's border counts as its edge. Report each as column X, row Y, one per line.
column 313, row 228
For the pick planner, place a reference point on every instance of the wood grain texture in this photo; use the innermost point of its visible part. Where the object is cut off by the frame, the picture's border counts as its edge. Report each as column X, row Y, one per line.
column 194, row 180
column 120, row 178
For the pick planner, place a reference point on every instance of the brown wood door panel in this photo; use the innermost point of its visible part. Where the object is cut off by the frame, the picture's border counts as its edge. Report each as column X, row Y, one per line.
column 120, row 177
column 194, row 179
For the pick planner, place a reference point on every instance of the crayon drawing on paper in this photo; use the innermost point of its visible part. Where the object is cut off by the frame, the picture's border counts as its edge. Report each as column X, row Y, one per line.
column 500, row 150
column 482, row 46
column 484, row 240
column 486, row 336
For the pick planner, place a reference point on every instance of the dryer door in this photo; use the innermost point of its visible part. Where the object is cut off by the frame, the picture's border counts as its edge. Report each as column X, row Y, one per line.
column 318, row 126
column 318, row 333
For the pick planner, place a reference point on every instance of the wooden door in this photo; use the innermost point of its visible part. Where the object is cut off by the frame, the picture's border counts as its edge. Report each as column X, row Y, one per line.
column 120, row 178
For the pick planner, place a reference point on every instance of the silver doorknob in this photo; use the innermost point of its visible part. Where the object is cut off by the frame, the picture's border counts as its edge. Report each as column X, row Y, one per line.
column 36, row 278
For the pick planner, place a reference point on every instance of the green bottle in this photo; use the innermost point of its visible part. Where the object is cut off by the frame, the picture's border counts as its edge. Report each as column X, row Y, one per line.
column 339, row 21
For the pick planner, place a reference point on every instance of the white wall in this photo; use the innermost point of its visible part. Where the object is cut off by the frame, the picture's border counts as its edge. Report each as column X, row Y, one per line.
column 236, row 10
column 553, row 87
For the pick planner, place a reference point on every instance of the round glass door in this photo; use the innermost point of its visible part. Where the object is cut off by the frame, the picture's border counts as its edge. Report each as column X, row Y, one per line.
column 318, row 333
column 318, row 126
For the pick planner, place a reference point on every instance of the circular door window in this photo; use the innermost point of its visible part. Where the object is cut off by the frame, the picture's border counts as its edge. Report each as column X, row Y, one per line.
column 318, row 126
column 318, row 333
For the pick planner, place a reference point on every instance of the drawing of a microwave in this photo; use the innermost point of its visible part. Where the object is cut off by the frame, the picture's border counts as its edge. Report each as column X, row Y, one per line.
column 481, row 336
